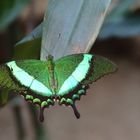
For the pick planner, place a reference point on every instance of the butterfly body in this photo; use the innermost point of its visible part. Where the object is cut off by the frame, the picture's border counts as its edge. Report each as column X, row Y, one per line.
column 44, row 82
column 52, row 77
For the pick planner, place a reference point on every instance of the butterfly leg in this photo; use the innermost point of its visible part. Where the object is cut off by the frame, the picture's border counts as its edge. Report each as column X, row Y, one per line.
column 77, row 114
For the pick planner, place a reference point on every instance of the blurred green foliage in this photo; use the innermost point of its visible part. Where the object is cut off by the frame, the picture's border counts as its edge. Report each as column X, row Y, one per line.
column 9, row 10
column 28, row 50
column 123, row 20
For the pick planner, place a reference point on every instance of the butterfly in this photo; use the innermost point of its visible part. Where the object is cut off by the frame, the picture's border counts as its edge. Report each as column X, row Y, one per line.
column 63, row 80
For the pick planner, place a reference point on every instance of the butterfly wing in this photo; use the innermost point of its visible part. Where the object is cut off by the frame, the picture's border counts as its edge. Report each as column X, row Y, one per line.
column 32, row 74
column 71, row 71
column 6, row 80
column 76, row 72
column 101, row 66
column 30, row 78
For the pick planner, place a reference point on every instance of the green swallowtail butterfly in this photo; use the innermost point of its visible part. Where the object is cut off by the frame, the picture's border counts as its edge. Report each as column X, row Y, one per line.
column 63, row 80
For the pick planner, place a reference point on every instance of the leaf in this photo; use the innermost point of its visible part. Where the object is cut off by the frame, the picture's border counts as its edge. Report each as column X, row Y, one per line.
column 122, row 21
column 31, row 37
column 79, row 30
column 9, row 10
column 71, row 26
column 28, row 50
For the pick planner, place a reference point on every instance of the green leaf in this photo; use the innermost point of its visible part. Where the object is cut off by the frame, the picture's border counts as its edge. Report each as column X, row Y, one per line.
column 9, row 10
column 28, row 50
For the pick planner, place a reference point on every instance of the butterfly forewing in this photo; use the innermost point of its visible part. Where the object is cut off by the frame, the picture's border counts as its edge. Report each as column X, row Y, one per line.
column 6, row 80
column 70, row 71
column 101, row 67
column 32, row 74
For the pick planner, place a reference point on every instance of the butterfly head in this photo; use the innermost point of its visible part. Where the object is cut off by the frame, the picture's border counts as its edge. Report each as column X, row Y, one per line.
column 49, row 58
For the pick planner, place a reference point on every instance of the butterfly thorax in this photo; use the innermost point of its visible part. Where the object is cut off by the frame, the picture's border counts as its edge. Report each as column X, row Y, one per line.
column 52, row 79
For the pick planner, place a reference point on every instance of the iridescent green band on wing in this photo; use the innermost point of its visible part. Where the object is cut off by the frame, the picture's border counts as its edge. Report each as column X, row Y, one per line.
column 27, row 80
column 79, row 73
